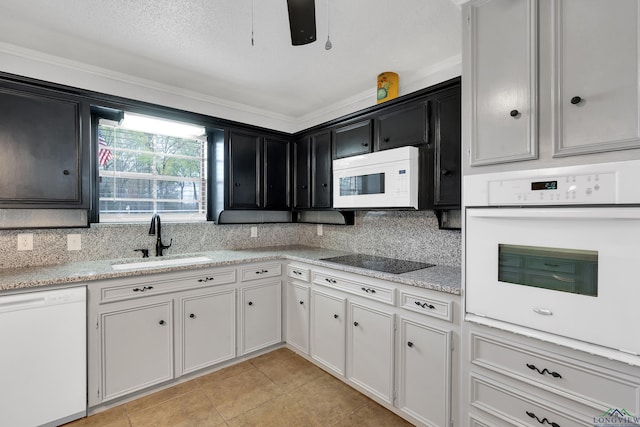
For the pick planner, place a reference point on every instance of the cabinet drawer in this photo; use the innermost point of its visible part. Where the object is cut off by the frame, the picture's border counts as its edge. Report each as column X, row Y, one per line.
column 297, row 272
column 585, row 383
column 518, row 408
column 146, row 286
column 427, row 305
column 372, row 291
column 260, row 271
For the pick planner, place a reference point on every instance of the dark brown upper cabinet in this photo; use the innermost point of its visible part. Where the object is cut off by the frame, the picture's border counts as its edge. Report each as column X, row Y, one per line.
column 45, row 151
column 312, row 172
column 353, row 138
column 259, row 171
column 402, row 126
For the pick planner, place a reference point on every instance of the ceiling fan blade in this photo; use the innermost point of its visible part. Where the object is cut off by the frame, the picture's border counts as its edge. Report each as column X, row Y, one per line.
column 302, row 21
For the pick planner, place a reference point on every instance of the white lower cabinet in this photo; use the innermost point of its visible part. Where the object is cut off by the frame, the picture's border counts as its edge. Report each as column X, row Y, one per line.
column 424, row 377
column 298, row 307
column 370, row 350
column 328, row 331
column 137, row 347
column 260, row 316
column 208, row 334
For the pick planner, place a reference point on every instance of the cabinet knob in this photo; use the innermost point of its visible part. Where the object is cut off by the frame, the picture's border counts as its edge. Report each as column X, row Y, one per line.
column 364, row 144
column 193, row 316
column 66, row 172
column 410, row 344
column 237, row 184
column 386, row 139
column 324, row 185
column 445, row 172
column 355, row 323
column 514, row 113
column 304, row 187
column 335, row 316
column 250, row 302
column 576, row 100
column 161, row 322
column 301, row 302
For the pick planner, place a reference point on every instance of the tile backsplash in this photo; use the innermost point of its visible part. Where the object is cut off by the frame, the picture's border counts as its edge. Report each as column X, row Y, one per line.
column 399, row 234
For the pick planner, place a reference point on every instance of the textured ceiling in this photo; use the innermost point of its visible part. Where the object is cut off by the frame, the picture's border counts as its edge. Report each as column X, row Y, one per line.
column 205, row 45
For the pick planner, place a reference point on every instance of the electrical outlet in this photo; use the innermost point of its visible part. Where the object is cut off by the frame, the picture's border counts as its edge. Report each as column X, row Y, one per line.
column 25, row 242
column 74, row 242
column 320, row 231
column 254, row 231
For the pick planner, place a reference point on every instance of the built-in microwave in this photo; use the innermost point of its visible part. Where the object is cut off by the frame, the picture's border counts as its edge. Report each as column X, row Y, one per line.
column 384, row 179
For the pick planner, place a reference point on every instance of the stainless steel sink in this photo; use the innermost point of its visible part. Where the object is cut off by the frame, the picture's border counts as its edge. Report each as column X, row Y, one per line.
column 160, row 263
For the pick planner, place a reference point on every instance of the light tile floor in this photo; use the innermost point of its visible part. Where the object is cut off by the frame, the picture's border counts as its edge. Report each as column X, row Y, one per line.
column 279, row 388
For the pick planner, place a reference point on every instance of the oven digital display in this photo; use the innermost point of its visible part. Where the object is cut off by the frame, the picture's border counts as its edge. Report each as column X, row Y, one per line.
column 544, row 185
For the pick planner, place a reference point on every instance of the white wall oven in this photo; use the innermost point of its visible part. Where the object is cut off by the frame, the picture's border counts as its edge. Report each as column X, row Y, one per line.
column 557, row 250
column 384, row 179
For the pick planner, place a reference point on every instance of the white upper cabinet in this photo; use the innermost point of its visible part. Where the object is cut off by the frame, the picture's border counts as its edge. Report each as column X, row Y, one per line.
column 596, row 76
column 550, row 79
column 504, row 76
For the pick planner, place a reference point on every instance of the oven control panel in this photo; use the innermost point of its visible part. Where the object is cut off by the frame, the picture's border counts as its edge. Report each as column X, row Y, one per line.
column 587, row 189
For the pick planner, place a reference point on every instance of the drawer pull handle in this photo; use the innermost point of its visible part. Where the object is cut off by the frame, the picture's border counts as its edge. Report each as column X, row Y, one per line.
column 544, row 371
column 142, row 289
column 193, row 316
column 542, row 421
column 301, row 302
column 425, row 305
column 206, row 279
column 262, row 271
column 369, row 290
column 330, row 280
column 355, row 323
column 299, row 273
column 410, row 344
column 543, row 311
column 161, row 322
column 335, row 316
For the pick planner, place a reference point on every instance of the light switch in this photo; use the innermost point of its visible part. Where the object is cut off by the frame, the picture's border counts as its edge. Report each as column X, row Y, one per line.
column 74, row 242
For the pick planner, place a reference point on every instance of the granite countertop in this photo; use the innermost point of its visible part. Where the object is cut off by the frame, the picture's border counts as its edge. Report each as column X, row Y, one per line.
column 439, row 278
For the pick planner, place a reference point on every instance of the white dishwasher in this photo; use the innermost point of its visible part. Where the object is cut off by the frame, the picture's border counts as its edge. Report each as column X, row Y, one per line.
column 43, row 357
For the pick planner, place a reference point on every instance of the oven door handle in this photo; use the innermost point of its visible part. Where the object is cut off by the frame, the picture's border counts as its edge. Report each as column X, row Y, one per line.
column 605, row 213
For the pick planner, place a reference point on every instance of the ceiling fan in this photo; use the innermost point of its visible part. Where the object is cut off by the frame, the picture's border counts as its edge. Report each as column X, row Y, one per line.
column 302, row 21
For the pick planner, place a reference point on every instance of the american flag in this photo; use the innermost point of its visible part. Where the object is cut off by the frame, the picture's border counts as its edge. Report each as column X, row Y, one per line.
column 104, row 154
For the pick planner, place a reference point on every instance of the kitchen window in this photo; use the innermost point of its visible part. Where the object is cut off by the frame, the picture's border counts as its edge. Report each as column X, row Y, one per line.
column 148, row 165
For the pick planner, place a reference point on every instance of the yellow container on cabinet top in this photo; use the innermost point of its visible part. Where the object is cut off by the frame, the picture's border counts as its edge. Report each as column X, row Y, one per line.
column 388, row 83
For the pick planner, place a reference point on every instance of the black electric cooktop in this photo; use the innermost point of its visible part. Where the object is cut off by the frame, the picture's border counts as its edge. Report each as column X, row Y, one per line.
column 378, row 263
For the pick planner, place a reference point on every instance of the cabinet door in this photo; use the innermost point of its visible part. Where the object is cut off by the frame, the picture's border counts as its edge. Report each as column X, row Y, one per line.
column 40, row 141
column 208, row 329
column 370, row 350
column 328, row 322
column 136, row 348
column 597, row 78
column 425, row 373
column 302, row 174
column 353, row 139
column 402, row 126
column 445, row 133
column 503, row 81
column 244, row 171
column 260, row 316
column 277, row 179
column 298, row 316
column 321, row 170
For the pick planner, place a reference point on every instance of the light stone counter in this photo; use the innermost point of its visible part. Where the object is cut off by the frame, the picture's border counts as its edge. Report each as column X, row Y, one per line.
column 439, row 278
